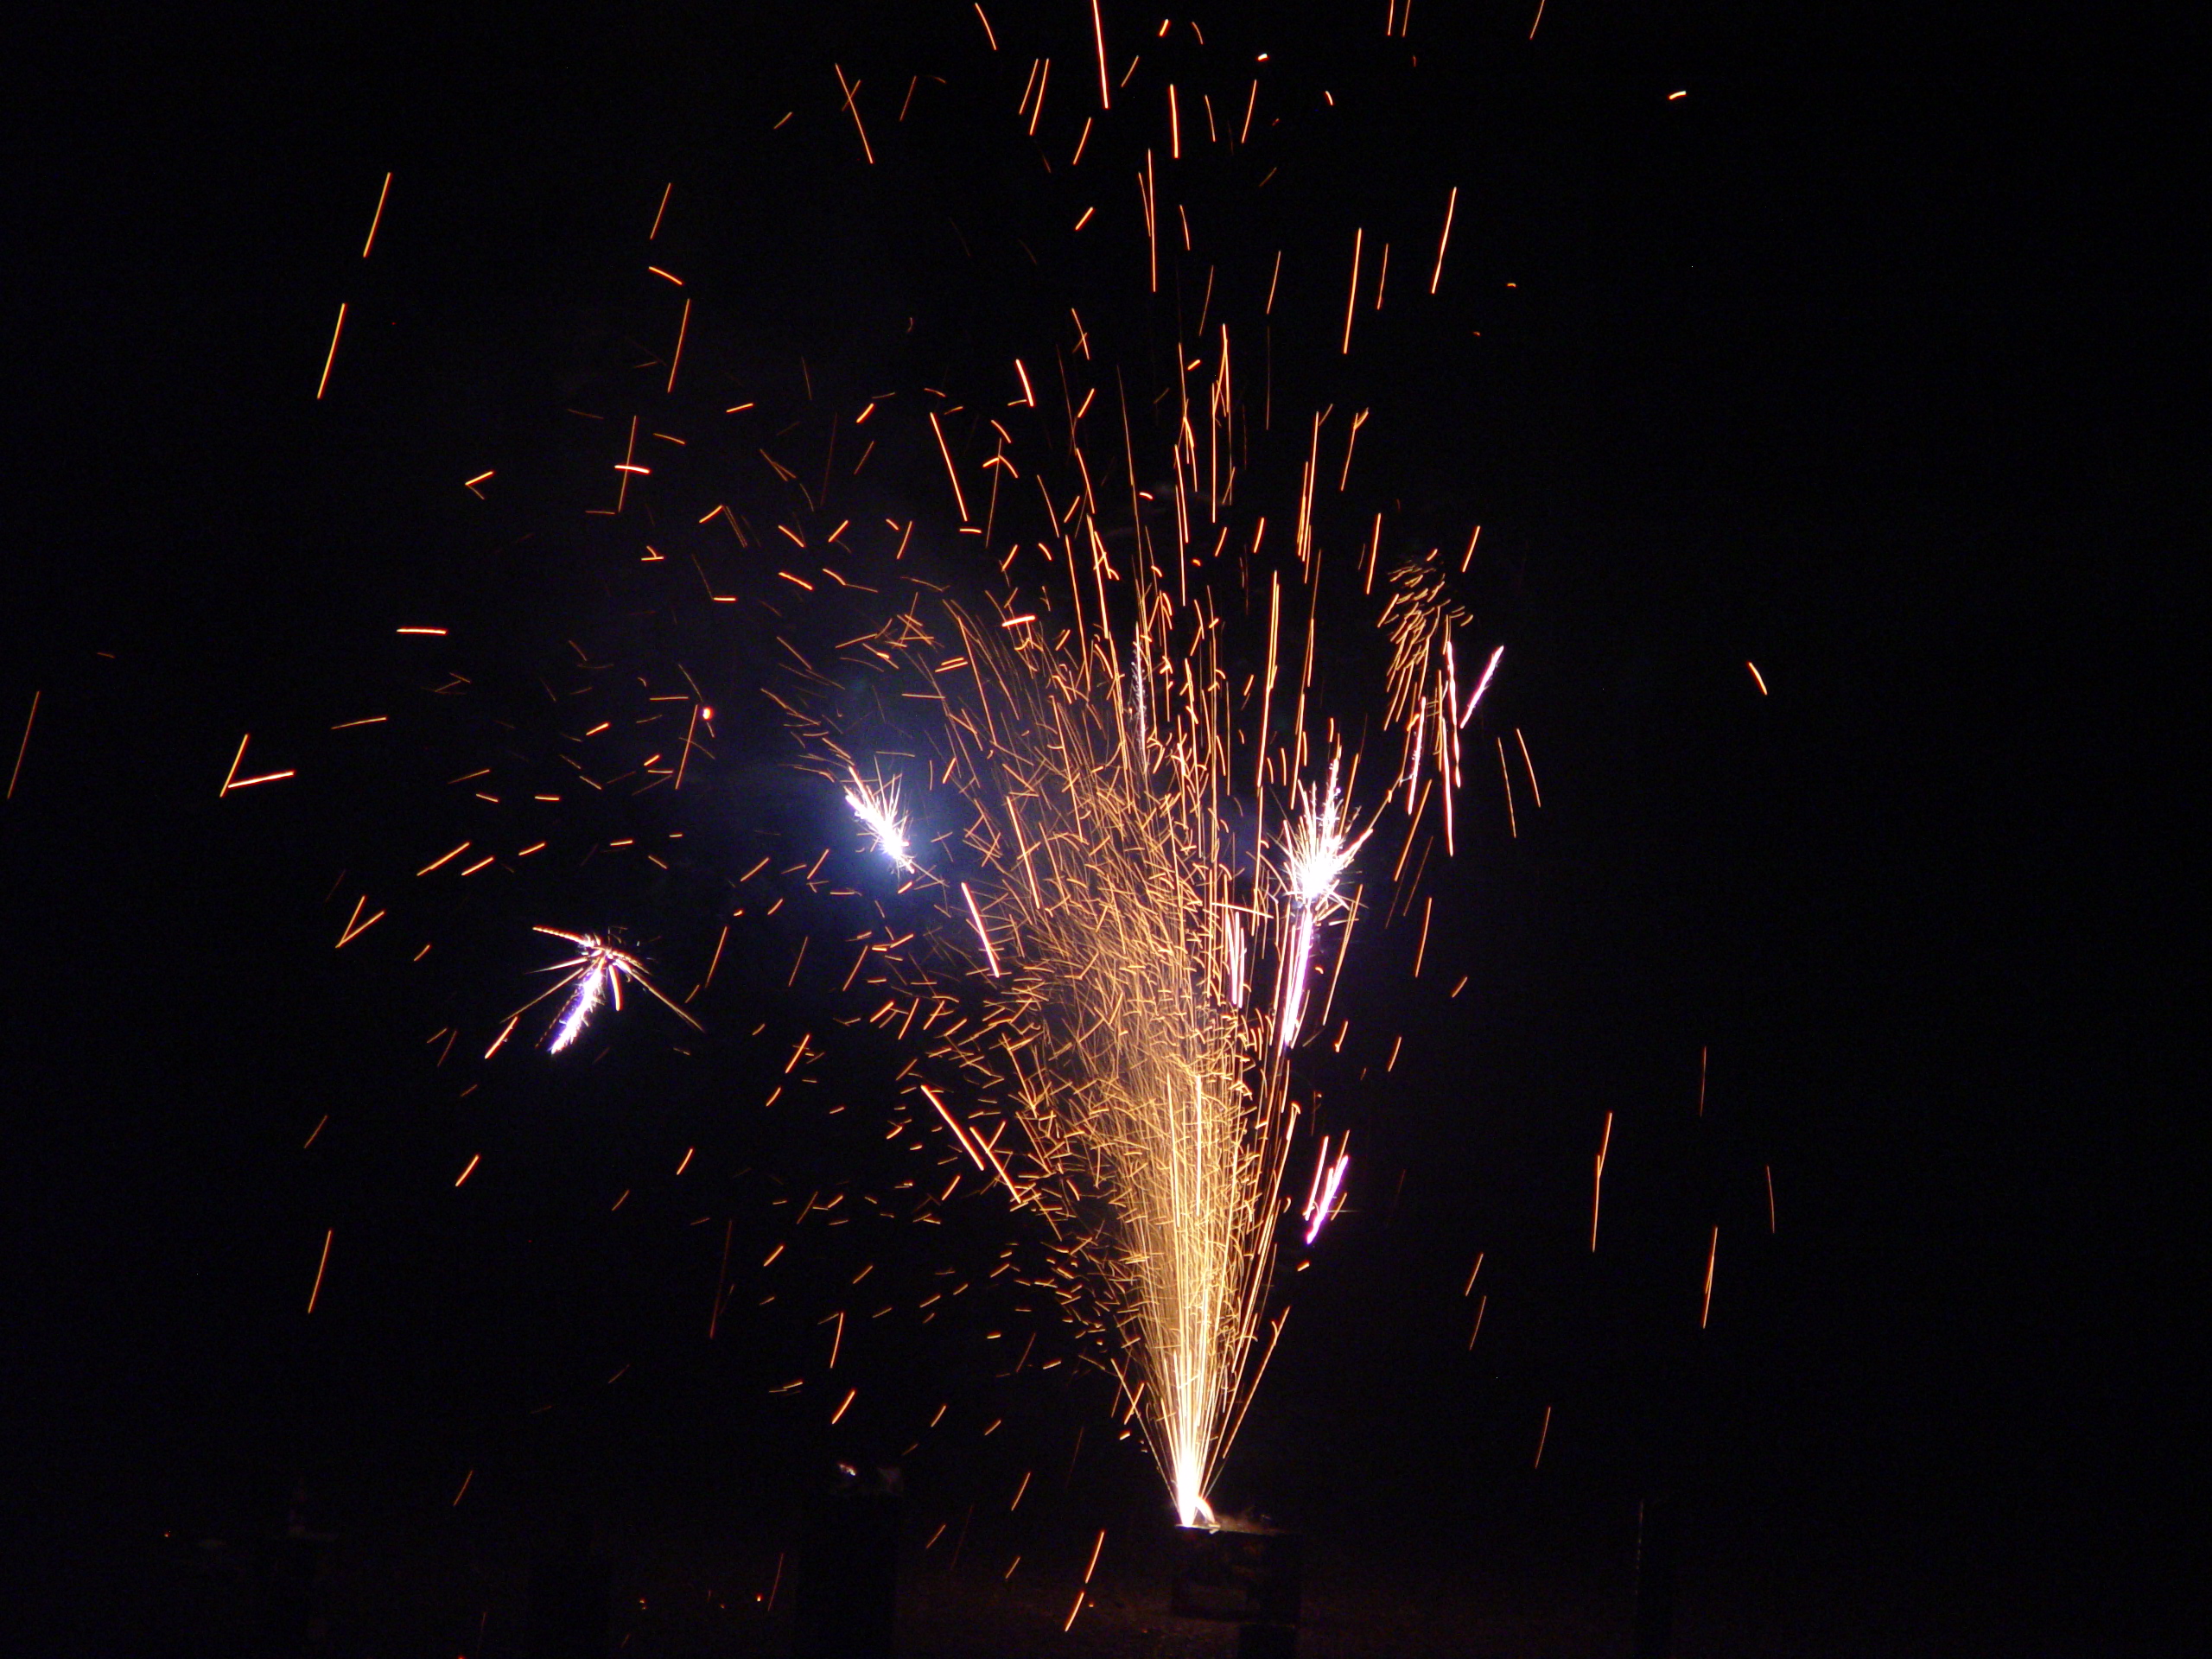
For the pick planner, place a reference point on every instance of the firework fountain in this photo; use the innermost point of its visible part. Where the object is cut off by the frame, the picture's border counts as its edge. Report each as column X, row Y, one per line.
column 1120, row 932
column 1100, row 758
column 1152, row 864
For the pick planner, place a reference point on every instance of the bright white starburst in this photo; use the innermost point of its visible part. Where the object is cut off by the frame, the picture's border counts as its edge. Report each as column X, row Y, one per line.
column 1318, row 849
column 596, row 973
column 877, row 807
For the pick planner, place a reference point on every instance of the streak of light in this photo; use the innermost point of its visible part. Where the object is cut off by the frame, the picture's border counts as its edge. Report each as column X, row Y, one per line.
column 323, row 384
column 713, row 964
column 690, row 728
column 447, row 859
column 1445, row 240
column 953, row 1123
column 1352, row 305
column 355, row 926
column 1757, row 678
column 228, row 777
column 1712, row 1255
column 1529, row 766
column 319, row 1267
column 981, row 933
column 1482, row 685
column 676, row 357
column 950, row 471
column 852, row 108
column 377, row 218
column 23, row 748
column 1323, row 1200
column 1598, row 1187
column 1098, row 32
column 470, row 1171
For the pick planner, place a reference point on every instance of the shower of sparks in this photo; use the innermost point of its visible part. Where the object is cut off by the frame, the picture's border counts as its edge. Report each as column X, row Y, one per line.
column 595, row 977
column 1423, row 679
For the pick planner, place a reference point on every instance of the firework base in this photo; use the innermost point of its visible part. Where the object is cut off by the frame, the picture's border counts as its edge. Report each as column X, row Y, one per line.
column 1250, row 1579
column 846, row 1596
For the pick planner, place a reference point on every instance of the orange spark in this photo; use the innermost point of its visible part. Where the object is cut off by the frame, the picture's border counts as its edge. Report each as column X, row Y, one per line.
column 853, row 88
column 377, row 217
column 1098, row 32
column 23, row 748
column 1445, row 240
column 682, row 329
column 329, row 1235
column 1711, row 1254
column 1352, row 305
column 951, row 472
column 324, row 384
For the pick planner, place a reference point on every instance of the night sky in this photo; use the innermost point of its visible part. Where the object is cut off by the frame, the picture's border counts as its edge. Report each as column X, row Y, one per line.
column 1865, row 361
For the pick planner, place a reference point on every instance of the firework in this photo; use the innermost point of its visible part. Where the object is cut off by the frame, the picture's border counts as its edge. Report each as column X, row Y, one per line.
column 595, row 976
column 1148, row 1097
column 1319, row 851
column 1324, row 1195
column 1154, row 887
column 877, row 807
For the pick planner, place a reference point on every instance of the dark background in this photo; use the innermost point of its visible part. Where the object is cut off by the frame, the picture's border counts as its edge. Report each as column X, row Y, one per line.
column 1871, row 361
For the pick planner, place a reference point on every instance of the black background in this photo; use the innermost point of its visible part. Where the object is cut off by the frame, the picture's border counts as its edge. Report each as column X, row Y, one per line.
column 1870, row 360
